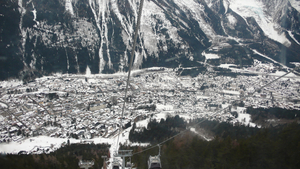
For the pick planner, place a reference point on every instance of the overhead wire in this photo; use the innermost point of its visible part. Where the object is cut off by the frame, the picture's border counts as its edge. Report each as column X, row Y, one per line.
column 130, row 64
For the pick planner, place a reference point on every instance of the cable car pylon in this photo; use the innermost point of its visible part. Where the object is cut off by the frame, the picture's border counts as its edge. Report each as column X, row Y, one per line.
column 123, row 154
column 154, row 161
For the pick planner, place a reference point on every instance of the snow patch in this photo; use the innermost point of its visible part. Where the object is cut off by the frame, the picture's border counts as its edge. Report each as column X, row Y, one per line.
column 202, row 97
column 37, row 144
column 232, row 20
column 297, row 64
column 197, row 11
column 227, row 66
column 142, row 123
column 34, row 14
column 147, row 24
column 226, row 4
column 254, row 8
column 149, row 21
column 231, row 92
column 200, row 134
column 159, row 116
column 164, row 107
column 209, row 3
column 11, row 83
column 2, row 118
column 69, row 7
column 292, row 36
column 243, row 117
column 295, row 4
column 101, row 14
column 255, row 51
column 2, row 105
column 211, row 56
column 88, row 72
column 280, row 73
column 33, row 144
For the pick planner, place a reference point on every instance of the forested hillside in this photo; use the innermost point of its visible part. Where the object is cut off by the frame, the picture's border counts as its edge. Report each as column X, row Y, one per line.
column 269, row 148
column 232, row 147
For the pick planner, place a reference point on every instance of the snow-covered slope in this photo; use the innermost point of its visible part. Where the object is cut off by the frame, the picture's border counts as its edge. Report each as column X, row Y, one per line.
column 295, row 4
column 257, row 10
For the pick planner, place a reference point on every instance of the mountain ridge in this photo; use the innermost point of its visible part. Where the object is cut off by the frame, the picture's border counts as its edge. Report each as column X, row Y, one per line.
column 43, row 37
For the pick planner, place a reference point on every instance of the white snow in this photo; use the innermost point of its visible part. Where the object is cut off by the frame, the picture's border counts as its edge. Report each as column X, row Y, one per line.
column 197, row 11
column 140, row 144
column 231, row 92
column 101, row 13
column 227, row 66
column 211, row 56
column 295, row 63
column 150, row 16
column 255, row 51
column 147, row 23
column 159, row 116
column 243, row 117
column 69, row 7
column 255, row 8
column 11, row 83
column 202, row 97
column 232, row 20
column 52, row 143
column 200, row 134
column 209, row 3
column 88, row 72
column 280, row 73
column 295, row 4
column 34, row 14
column 292, row 36
column 226, row 4
column 32, row 143
column 142, row 123
column 164, row 107
column 2, row 105
column 246, row 119
column 2, row 118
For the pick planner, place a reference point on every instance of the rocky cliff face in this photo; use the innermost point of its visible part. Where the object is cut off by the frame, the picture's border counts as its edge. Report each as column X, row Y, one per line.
column 45, row 36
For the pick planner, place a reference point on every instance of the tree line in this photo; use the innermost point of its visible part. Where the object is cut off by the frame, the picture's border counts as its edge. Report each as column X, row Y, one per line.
column 157, row 131
column 276, row 147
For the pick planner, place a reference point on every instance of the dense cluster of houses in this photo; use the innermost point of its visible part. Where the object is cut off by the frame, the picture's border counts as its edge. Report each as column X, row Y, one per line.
column 72, row 106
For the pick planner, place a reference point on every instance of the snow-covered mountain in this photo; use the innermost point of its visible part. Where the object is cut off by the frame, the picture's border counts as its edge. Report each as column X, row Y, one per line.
column 45, row 36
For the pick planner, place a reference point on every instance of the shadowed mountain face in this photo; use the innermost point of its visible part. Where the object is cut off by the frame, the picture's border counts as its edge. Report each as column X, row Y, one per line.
column 45, row 36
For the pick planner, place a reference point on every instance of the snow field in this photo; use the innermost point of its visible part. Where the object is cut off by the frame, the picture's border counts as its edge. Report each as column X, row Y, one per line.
column 295, row 4
column 255, row 8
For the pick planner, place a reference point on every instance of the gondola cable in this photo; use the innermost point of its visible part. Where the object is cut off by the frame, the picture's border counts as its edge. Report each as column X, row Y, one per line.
column 130, row 65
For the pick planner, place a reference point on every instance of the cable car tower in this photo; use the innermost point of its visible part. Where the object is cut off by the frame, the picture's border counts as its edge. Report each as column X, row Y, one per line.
column 154, row 161
column 123, row 154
